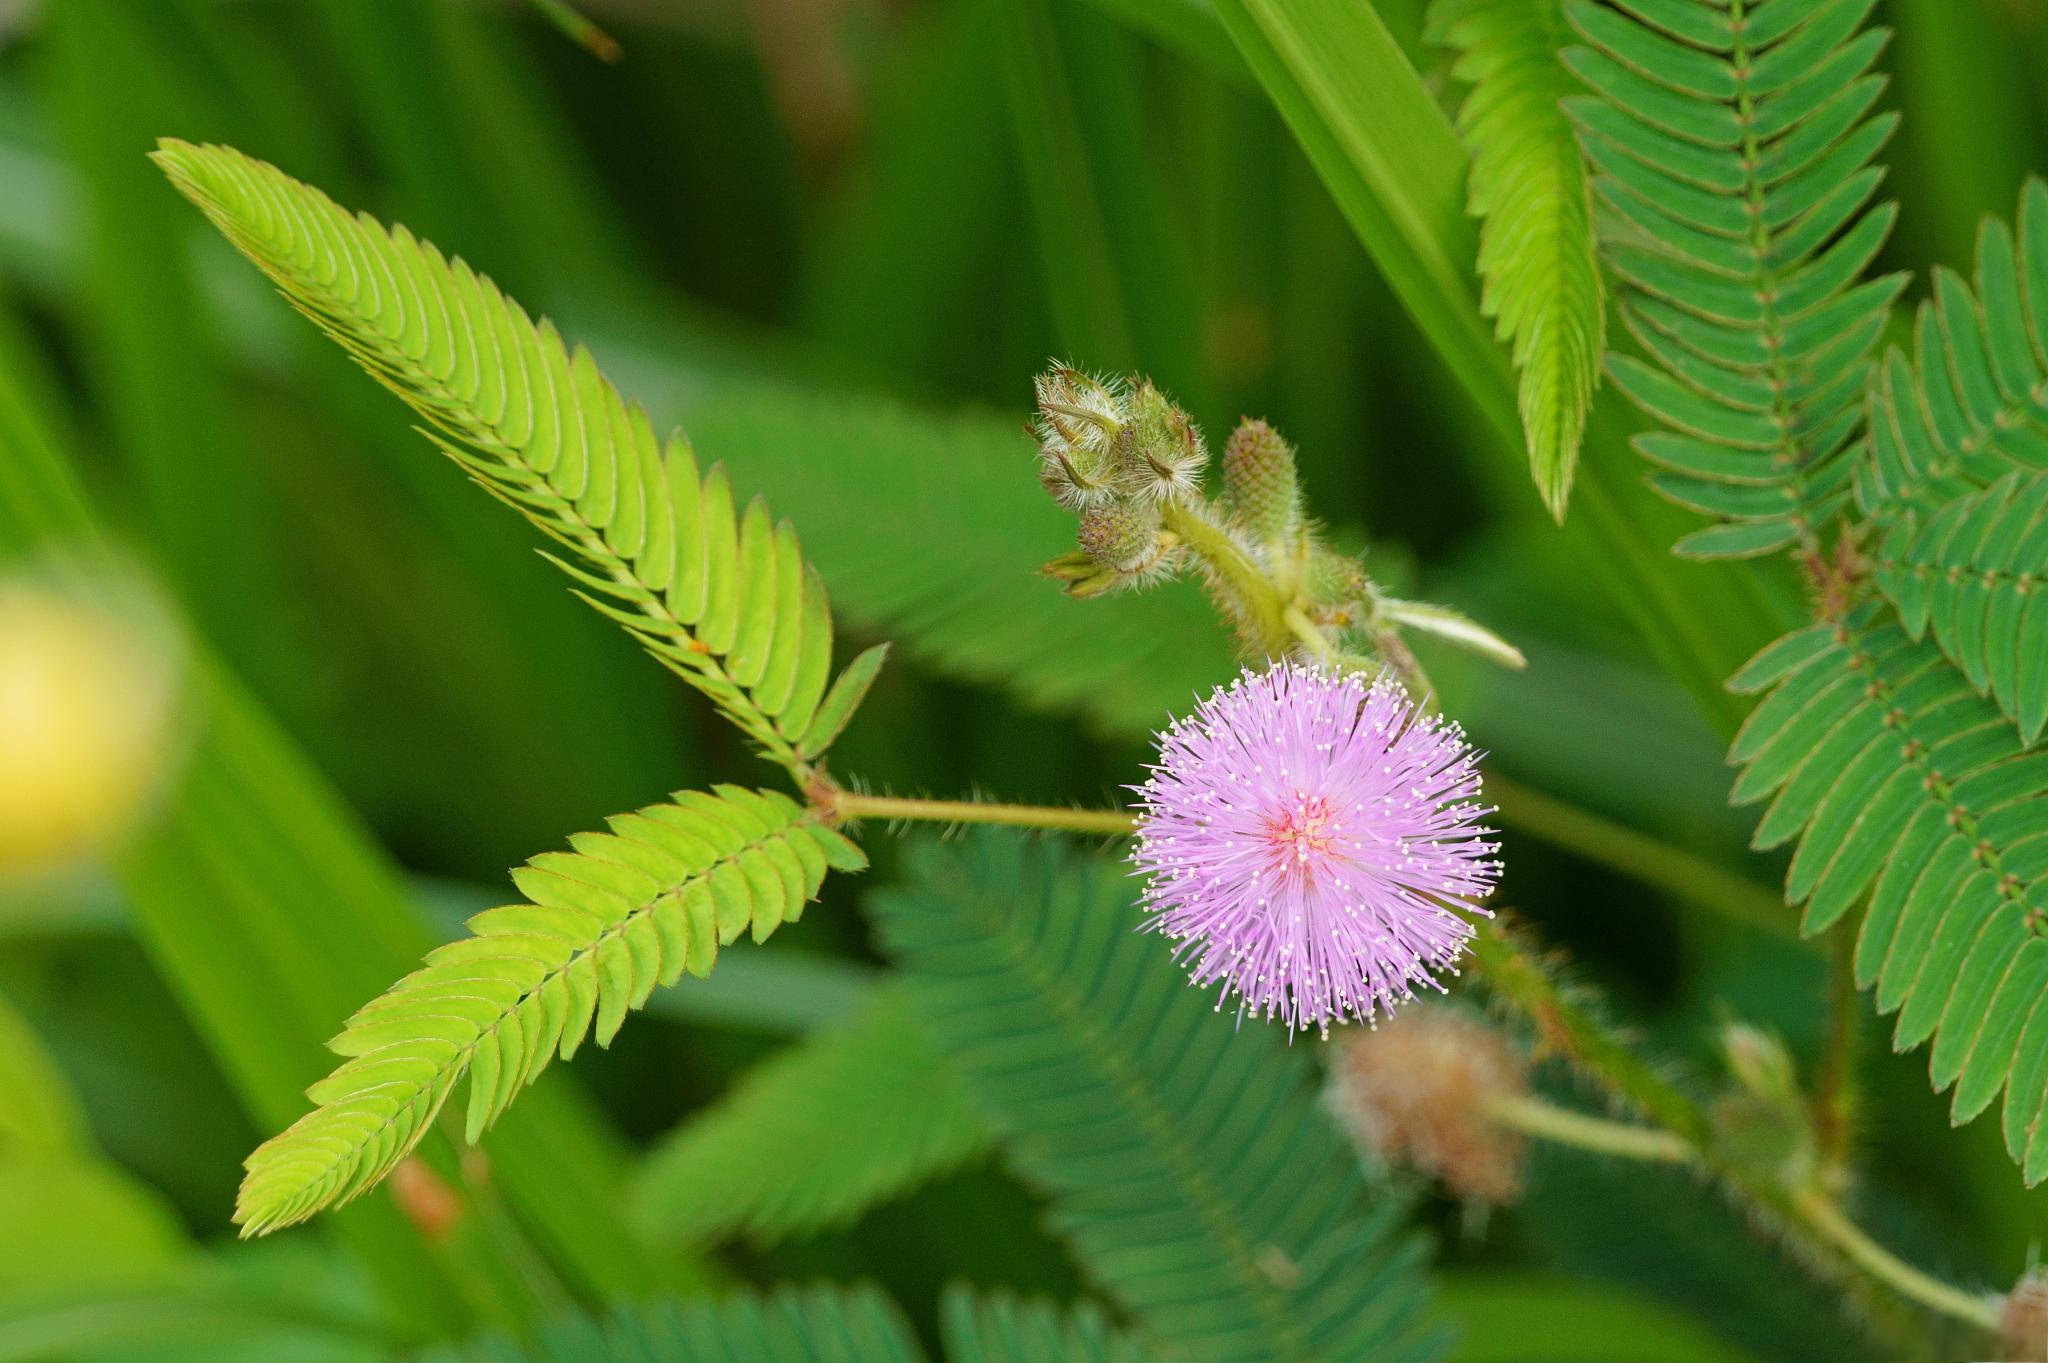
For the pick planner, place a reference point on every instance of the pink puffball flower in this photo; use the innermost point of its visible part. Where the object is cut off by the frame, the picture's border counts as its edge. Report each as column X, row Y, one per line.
column 1305, row 837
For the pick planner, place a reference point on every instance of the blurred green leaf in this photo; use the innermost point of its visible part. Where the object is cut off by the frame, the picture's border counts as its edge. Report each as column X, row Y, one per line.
column 73, row 1219
column 1117, row 276
column 790, row 1325
column 271, row 914
column 1534, row 1318
column 840, row 1121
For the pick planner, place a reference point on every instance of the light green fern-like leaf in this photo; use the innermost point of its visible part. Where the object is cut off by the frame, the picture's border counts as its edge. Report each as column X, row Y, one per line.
column 1972, row 404
column 1731, row 145
column 842, row 1120
column 791, row 1325
column 1902, row 783
column 1528, row 188
column 601, row 927
column 1187, row 1159
column 1976, row 570
column 718, row 592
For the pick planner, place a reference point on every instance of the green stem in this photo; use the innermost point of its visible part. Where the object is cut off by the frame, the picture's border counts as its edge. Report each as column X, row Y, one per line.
column 580, row 30
column 846, row 804
column 1260, row 606
column 1643, row 858
column 1567, row 1026
column 1834, row 1089
column 1826, row 1220
column 1547, row 1121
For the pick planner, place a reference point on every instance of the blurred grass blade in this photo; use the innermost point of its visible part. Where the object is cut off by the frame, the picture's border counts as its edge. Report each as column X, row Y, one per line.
column 151, row 364
column 578, row 28
column 1119, row 282
column 74, row 1219
column 1508, row 1317
column 271, row 914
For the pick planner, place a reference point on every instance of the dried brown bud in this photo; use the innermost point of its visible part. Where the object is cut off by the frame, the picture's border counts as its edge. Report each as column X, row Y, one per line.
column 2023, row 1319
column 1416, row 1091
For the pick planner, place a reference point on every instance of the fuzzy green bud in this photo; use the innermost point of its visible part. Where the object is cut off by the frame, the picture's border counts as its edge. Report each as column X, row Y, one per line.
column 1122, row 534
column 1260, row 484
column 1334, row 584
column 1161, row 454
column 1763, row 1123
column 1079, row 430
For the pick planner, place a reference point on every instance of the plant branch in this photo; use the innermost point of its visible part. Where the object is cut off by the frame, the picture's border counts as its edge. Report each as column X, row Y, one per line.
column 847, row 804
column 1643, row 858
column 1232, row 571
column 1566, row 1024
column 1547, row 1121
column 1825, row 1219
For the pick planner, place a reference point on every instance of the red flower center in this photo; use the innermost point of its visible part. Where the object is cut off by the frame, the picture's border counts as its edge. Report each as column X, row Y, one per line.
column 1301, row 834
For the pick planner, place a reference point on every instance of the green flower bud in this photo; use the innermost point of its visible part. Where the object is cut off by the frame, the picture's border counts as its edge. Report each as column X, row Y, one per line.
column 1161, row 454
column 1123, row 535
column 1260, row 484
column 1080, row 426
column 1334, row 582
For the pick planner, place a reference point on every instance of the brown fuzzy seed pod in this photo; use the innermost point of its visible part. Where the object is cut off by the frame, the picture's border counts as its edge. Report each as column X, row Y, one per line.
column 1414, row 1091
column 2023, row 1319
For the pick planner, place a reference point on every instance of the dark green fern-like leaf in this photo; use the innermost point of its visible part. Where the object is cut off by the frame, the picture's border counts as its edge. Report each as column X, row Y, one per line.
column 1528, row 189
column 719, row 593
column 1186, row 1158
column 792, row 1325
column 1001, row 1329
column 1972, row 404
column 602, row 925
column 1731, row 144
column 1903, row 784
column 842, row 1120
column 1977, row 570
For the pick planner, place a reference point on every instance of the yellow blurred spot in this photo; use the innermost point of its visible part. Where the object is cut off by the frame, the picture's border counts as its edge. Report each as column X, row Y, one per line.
column 85, row 706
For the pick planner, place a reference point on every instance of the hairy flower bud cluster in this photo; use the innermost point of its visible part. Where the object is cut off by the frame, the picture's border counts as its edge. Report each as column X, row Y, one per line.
column 1103, row 441
column 1117, row 452
column 1129, row 464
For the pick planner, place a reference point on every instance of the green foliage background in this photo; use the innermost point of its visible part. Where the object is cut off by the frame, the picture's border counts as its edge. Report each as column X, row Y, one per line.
column 832, row 238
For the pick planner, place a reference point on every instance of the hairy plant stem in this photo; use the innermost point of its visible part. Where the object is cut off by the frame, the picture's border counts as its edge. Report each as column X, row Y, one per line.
column 1562, row 1126
column 847, row 804
column 1251, row 597
column 1811, row 1209
column 1820, row 1214
column 1568, row 1026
